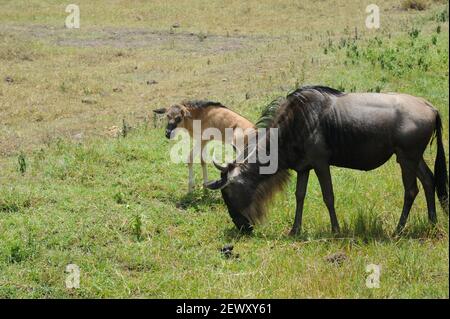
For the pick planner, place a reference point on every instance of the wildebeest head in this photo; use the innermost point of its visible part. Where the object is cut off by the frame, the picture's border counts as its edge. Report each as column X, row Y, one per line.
column 176, row 115
column 237, row 192
column 245, row 190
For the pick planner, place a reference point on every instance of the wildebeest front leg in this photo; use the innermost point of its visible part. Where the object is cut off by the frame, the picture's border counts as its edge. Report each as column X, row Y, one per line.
column 324, row 176
column 300, row 193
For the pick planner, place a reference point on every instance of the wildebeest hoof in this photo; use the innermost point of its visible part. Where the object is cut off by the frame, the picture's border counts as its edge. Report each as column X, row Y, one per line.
column 242, row 224
column 294, row 232
column 246, row 229
column 336, row 230
column 399, row 231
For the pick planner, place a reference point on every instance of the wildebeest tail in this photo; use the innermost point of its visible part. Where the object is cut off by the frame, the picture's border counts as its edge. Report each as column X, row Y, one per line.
column 440, row 168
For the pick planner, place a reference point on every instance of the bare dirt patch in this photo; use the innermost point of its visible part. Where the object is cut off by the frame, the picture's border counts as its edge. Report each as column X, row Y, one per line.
column 36, row 43
column 123, row 38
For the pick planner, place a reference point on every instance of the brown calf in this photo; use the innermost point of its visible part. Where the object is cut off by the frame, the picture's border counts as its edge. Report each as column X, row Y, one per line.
column 211, row 115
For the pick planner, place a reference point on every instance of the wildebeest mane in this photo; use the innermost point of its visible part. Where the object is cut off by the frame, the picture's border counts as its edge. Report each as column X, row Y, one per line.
column 300, row 115
column 266, row 186
column 319, row 88
column 201, row 104
column 272, row 110
column 268, row 113
column 265, row 189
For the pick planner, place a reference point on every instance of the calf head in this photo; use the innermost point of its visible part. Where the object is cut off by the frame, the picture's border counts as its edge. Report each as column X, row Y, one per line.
column 176, row 117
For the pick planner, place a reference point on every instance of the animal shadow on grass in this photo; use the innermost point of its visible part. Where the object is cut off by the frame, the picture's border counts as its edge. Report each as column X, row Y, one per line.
column 197, row 199
column 420, row 228
column 368, row 226
column 364, row 227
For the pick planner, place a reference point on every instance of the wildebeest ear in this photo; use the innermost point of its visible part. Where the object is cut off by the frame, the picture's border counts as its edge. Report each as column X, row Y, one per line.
column 160, row 111
column 215, row 185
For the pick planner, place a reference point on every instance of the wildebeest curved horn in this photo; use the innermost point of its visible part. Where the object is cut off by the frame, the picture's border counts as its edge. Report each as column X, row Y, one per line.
column 219, row 167
column 235, row 148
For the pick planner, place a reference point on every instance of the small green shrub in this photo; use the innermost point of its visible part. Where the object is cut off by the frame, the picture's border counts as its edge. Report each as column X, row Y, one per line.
column 137, row 227
column 442, row 16
column 22, row 163
column 419, row 5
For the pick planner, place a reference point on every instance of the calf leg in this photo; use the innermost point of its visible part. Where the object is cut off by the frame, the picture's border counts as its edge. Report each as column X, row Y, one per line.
column 427, row 179
column 324, row 176
column 205, row 173
column 204, row 169
column 191, row 171
column 300, row 193
column 409, row 177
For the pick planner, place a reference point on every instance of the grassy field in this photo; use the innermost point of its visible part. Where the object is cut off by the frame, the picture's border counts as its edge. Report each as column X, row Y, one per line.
column 75, row 189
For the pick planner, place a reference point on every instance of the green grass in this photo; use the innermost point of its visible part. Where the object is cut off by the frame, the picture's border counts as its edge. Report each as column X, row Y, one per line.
column 117, row 207
column 104, row 207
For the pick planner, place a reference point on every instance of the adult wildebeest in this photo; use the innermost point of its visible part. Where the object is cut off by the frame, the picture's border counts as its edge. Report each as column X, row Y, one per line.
column 211, row 115
column 320, row 126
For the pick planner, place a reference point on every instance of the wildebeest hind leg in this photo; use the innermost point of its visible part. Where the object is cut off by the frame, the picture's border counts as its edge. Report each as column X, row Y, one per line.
column 300, row 193
column 324, row 176
column 409, row 169
column 427, row 179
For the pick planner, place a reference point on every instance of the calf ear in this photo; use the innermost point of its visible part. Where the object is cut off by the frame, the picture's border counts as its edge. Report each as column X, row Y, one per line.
column 187, row 114
column 160, row 111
